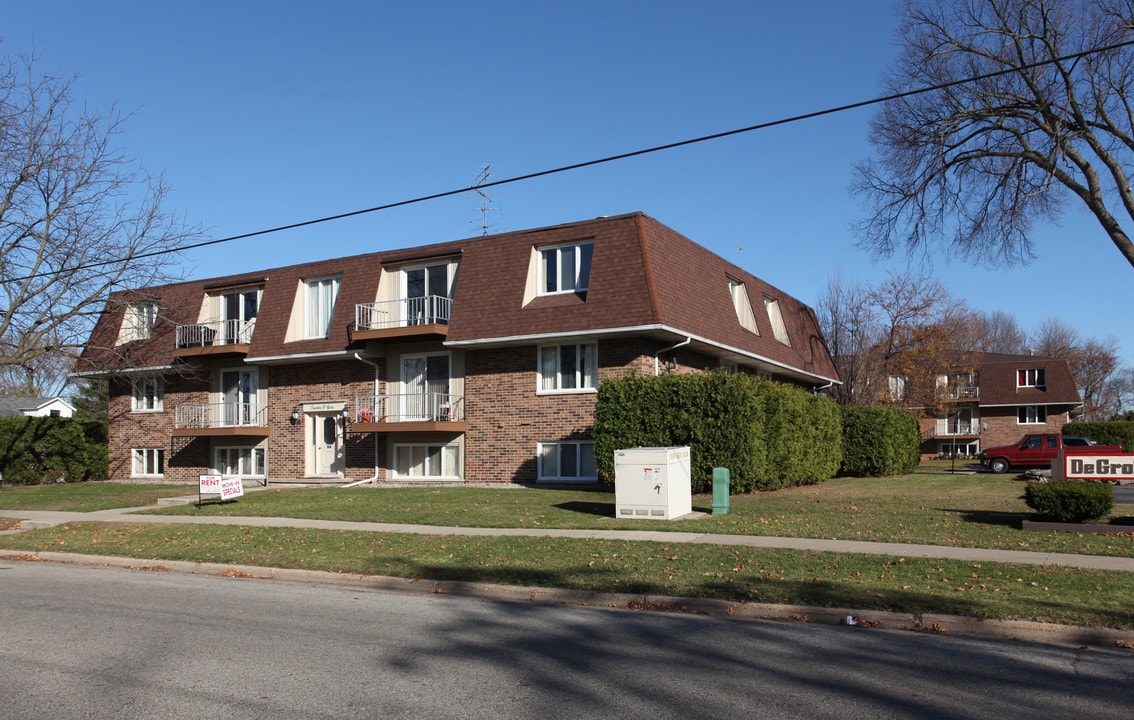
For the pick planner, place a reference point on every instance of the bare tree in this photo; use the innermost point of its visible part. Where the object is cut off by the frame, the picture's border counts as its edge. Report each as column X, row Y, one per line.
column 850, row 326
column 78, row 219
column 999, row 332
column 1095, row 367
column 892, row 341
column 972, row 165
column 1055, row 338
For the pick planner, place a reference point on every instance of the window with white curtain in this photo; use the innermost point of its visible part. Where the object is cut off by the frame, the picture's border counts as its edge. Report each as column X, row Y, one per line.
column 148, row 394
column 241, row 461
column 149, row 462
column 319, row 306
column 427, row 462
column 567, row 461
column 566, row 368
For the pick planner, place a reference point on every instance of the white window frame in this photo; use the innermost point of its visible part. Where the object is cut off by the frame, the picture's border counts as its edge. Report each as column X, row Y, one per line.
column 138, row 321
column 430, row 453
column 551, row 378
column 142, row 400
column 1031, row 415
column 1033, row 377
column 552, row 453
column 897, row 385
column 147, row 463
column 320, row 295
column 775, row 316
column 581, row 255
column 742, row 305
column 251, row 460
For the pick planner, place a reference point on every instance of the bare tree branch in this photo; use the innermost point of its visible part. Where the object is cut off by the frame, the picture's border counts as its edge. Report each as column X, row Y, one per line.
column 69, row 198
column 973, row 165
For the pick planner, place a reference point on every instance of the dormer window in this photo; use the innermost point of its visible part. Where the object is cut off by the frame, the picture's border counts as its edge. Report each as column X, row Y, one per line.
column 565, row 268
column 138, row 322
column 777, row 320
column 319, row 306
column 1031, row 378
column 741, row 305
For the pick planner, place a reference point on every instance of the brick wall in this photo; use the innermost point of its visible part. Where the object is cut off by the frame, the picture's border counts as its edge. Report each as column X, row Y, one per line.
column 508, row 418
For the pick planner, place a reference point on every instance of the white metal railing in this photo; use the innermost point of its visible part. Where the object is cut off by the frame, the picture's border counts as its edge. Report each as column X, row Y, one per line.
column 406, row 312
column 432, row 407
column 219, row 415
column 215, row 332
column 958, row 427
column 964, row 391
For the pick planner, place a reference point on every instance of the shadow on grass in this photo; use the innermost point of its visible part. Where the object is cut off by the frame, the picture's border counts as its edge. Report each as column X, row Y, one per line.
column 1013, row 520
column 597, row 509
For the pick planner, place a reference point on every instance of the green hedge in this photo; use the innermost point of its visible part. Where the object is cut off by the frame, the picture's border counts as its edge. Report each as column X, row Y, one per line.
column 879, row 441
column 1069, row 501
column 803, row 433
column 36, row 450
column 718, row 416
column 1109, row 432
column 768, row 435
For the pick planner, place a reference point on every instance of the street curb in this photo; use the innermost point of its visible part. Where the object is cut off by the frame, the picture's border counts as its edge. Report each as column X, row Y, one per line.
column 859, row 620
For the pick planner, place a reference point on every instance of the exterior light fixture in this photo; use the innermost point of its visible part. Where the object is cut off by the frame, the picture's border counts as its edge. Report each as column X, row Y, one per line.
column 295, row 415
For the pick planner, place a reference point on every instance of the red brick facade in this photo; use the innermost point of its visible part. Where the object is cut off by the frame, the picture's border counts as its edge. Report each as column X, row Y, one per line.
column 656, row 302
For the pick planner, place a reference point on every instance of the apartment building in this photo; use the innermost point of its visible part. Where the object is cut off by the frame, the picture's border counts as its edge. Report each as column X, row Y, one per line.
column 993, row 399
column 471, row 361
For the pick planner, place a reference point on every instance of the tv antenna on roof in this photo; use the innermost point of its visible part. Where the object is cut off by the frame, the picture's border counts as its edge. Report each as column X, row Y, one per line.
column 485, row 201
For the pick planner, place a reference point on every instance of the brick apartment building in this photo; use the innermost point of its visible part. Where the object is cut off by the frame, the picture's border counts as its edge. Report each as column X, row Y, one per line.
column 995, row 399
column 469, row 361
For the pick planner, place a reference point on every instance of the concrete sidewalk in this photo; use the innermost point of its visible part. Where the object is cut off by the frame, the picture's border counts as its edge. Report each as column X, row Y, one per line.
column 32, row 519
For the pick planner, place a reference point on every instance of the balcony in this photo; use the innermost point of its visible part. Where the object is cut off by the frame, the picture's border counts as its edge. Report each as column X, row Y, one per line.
column 217, row 337
column 964, row 392
column 421, row 412
column 221, row 420
column 956, row 428
column 421, row 318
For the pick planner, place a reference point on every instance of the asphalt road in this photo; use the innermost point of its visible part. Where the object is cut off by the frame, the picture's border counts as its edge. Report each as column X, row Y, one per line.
column 96, row 642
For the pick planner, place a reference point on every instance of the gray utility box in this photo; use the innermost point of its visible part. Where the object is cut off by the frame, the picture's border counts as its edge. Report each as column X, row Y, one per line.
column 652, row 483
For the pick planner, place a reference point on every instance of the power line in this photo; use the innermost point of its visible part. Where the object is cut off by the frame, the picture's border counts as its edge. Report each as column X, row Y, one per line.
column 481, row 186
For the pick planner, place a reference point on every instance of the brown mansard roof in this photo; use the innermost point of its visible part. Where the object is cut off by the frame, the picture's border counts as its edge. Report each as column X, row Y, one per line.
column 998, row 380
column 645, row 279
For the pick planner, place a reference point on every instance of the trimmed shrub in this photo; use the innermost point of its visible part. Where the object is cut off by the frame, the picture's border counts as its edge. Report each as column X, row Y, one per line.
column 1110, row 432
column 803, row 434
column 767, row 434
column 879, row 441
column 36, row 450
column 1069, row 501
column 717, row 415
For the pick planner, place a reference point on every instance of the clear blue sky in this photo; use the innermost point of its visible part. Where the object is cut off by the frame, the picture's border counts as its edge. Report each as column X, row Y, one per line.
column 262, row 114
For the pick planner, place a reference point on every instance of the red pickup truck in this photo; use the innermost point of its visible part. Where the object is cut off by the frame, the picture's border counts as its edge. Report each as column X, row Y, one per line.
column 1040, row 450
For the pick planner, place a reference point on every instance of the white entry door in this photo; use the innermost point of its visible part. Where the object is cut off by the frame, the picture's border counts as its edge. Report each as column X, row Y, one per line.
column 327, row 444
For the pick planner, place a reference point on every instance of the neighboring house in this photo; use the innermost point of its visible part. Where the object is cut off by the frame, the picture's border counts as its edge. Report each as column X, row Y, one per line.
column 994, row 399
column 35, row 407
column 476, row 360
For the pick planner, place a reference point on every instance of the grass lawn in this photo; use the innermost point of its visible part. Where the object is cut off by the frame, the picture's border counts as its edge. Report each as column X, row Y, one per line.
column 925, row 507
column 928, row 508
column 88, row 496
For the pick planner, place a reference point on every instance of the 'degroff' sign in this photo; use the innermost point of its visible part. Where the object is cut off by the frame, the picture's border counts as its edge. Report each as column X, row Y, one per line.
column 1094, row 467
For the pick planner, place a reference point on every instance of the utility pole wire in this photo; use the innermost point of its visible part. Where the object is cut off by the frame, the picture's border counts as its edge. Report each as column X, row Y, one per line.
column 479, row 187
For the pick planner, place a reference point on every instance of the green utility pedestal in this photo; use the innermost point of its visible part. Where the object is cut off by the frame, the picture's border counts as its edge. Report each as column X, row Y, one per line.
column 720, row 491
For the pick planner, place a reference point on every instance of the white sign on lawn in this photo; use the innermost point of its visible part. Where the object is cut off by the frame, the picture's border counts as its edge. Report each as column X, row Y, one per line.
column 226, row 487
